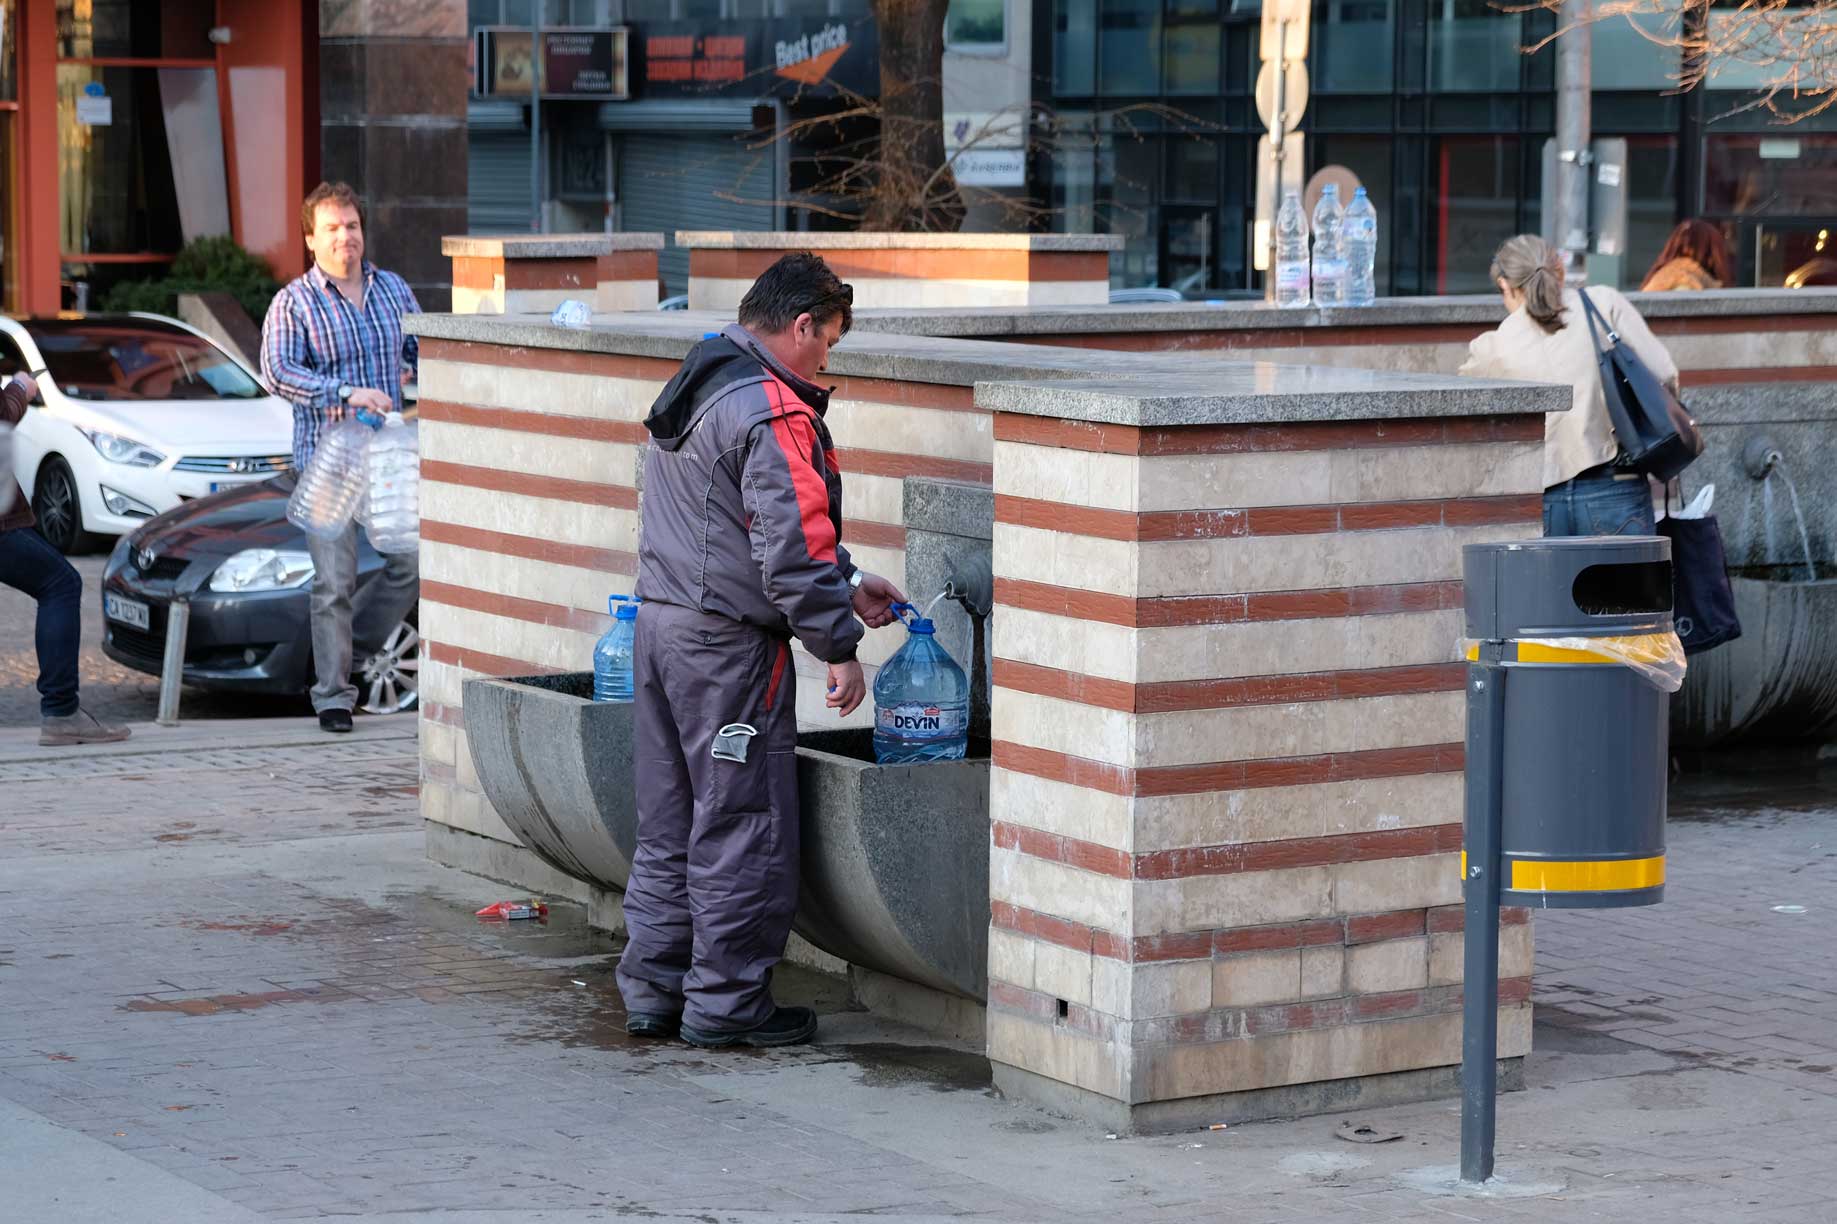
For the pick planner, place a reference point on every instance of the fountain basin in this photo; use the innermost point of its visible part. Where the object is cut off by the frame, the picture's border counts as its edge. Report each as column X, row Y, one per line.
column 1777, row 681
column 895, row 858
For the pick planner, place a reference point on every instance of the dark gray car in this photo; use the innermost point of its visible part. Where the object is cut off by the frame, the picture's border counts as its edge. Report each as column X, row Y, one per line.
column 245, row 571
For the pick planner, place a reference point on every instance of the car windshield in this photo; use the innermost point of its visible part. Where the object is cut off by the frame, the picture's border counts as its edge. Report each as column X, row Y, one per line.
column 137, row 359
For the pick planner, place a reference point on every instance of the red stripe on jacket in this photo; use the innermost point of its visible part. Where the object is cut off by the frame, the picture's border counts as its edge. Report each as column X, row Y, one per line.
column 797, row 440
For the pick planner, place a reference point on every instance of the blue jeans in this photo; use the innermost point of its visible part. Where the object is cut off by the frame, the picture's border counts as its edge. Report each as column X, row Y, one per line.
column 30, row 565
column 1598, row 505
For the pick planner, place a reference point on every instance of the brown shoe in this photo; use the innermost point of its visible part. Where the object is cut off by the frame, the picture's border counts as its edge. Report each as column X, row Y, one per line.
column 79, row 728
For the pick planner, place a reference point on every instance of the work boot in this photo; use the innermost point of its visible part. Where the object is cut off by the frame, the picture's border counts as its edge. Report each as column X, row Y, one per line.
column 336, row 721
column 652, row 1024
column 785, row 1026
column 60, row 731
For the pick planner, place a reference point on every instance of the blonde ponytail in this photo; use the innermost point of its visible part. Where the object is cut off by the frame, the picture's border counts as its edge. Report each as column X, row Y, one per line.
column 1529, row 265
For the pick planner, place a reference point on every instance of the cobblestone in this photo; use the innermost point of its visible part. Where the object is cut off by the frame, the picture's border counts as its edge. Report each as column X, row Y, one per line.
column 232, row 966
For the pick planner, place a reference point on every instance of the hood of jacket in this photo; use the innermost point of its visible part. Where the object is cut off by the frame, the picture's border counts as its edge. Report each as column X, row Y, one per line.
column 714, row 366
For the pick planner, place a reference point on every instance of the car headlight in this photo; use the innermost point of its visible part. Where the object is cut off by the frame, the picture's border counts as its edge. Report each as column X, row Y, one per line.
column 117, row 449
column 263, row 569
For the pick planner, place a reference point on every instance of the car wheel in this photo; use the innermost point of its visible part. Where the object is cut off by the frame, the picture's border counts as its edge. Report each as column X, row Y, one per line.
column 59, row 510
column 388, row 682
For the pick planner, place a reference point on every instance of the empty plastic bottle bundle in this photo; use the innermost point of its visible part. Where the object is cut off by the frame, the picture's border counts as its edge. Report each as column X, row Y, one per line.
column 334, row 481
column 1359, row 236
column 921, row 700
column 1291, row 253
column 614, row 674
column 392, row 510
column 1329, row 250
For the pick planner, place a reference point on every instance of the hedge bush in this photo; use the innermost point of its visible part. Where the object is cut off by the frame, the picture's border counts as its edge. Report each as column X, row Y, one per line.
column 206, row 265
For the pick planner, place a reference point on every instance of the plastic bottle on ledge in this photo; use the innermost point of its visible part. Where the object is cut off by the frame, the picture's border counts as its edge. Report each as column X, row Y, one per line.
column 1291, row 253
column 328, row 491
column 1359, row 233
column 1329, row 252
column 614, row 660
column 393, row 512
column 921, row 700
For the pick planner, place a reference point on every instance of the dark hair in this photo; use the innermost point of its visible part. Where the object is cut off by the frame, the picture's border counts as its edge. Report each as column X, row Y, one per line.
column 1530, row 265
column 328, row 193
column 1699, row 240
column 797, row 284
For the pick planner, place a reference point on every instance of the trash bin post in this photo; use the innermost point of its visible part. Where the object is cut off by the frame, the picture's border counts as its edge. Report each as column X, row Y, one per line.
column 1480, row 885
column 172, row 666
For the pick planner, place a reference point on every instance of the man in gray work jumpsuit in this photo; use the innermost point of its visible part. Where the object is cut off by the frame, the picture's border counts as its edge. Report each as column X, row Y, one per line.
column 740, row 551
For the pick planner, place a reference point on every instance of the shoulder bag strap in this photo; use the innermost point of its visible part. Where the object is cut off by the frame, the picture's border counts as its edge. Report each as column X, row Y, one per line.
column 1594, row 314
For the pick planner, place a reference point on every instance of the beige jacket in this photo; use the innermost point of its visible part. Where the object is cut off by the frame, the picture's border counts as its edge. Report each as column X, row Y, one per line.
column 1581, row 438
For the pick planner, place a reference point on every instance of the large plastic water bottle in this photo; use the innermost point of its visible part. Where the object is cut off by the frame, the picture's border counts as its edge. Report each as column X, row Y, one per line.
column 614, row 663
column 1329, row 253
column 334, row 481
column 393, row 507
column 1291, row 253
column 921, row 700
column 1359, row 234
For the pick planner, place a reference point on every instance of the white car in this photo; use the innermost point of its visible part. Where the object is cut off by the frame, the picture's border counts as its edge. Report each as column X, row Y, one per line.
column 137, row 413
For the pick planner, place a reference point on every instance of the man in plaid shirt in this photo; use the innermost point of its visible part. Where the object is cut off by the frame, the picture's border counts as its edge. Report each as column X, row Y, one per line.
column 332, row 346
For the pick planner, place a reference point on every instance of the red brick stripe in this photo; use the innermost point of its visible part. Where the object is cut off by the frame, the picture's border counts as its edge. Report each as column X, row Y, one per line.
column 445, row 715
column 930, row 263
column 1060, row 931
column 1167, row 696
column 1245, row 857
column 479, row 661
column 1228, row 775
column 600, row 560
column 891, row 463
column 1157, row 526
column 512, row 607
column 1770, row 374
column 1448, row 919
column 555, row 488
column 1175, row 610
column 1249, row 439
column 1084, row 855
column 550, row 424
column 1375, row 928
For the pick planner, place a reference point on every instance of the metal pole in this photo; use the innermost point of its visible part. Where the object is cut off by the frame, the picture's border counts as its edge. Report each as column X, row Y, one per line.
column 1480, row 976
column 1573, row 54
column 172, row 666
column 535, row 118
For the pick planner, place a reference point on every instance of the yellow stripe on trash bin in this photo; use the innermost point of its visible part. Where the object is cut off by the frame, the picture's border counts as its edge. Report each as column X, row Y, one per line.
column 1602, row 875
column 1537, row 652
column 1652, row 646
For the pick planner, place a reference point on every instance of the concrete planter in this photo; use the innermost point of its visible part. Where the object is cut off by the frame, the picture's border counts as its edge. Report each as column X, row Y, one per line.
column 895, row 858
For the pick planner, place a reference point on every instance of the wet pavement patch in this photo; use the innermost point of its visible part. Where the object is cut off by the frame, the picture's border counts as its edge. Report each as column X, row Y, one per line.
column 885, row 1065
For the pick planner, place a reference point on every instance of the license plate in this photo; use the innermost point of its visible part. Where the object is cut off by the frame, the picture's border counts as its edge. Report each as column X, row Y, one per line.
column 127, row 611
column 215, row 485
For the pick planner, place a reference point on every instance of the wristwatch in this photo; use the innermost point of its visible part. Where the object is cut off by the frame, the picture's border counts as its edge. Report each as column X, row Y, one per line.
column 345, row 391
column 854, row 579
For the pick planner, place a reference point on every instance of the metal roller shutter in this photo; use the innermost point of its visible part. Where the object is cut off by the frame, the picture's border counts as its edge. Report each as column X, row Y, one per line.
column 670, row 182
column 497, row 182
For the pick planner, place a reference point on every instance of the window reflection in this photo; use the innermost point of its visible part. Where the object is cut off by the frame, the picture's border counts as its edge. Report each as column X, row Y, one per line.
column 1129, row 52
column 1476, row 201
column 1353, row 48
column 1473, row 47
column 170, row 29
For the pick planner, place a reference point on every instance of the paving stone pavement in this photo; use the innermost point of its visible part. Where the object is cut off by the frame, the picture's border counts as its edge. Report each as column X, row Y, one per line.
column 230, row 974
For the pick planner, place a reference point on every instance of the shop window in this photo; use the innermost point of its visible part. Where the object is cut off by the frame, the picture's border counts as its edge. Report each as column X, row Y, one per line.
column 99, row 29
column 1074, row 48
column 1473, row 47
column 1652, row 201
column 142, row 167
column 1476, row 202
column 1352, row 47
column 1129, row 47
column 977, row 27
column 1783, row 175
column 1191, row 61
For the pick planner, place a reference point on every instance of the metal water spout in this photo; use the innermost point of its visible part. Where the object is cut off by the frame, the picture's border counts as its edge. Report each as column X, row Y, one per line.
column 971, row 586
column 1760, row 456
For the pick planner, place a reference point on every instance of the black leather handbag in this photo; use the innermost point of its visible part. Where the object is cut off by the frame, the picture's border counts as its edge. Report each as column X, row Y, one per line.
column 1703, row 603
column 1655, row 432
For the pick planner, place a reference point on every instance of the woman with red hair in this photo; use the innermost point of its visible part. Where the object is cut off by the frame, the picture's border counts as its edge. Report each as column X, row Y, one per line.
column 1696, row 256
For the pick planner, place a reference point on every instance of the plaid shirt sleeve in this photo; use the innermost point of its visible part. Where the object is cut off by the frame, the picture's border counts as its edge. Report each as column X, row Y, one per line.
column 286, row 364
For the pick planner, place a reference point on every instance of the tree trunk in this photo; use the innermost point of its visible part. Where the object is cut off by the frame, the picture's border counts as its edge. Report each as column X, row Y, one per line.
column 910, row 193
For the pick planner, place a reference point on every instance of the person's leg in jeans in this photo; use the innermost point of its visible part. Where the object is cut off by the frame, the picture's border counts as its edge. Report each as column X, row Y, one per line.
column 30, row 565
column 386, row 602
column 334, row 580
column 1559, row 510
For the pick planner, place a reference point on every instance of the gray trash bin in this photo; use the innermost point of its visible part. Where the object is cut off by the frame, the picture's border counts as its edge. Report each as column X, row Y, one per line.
column 1583, row 749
